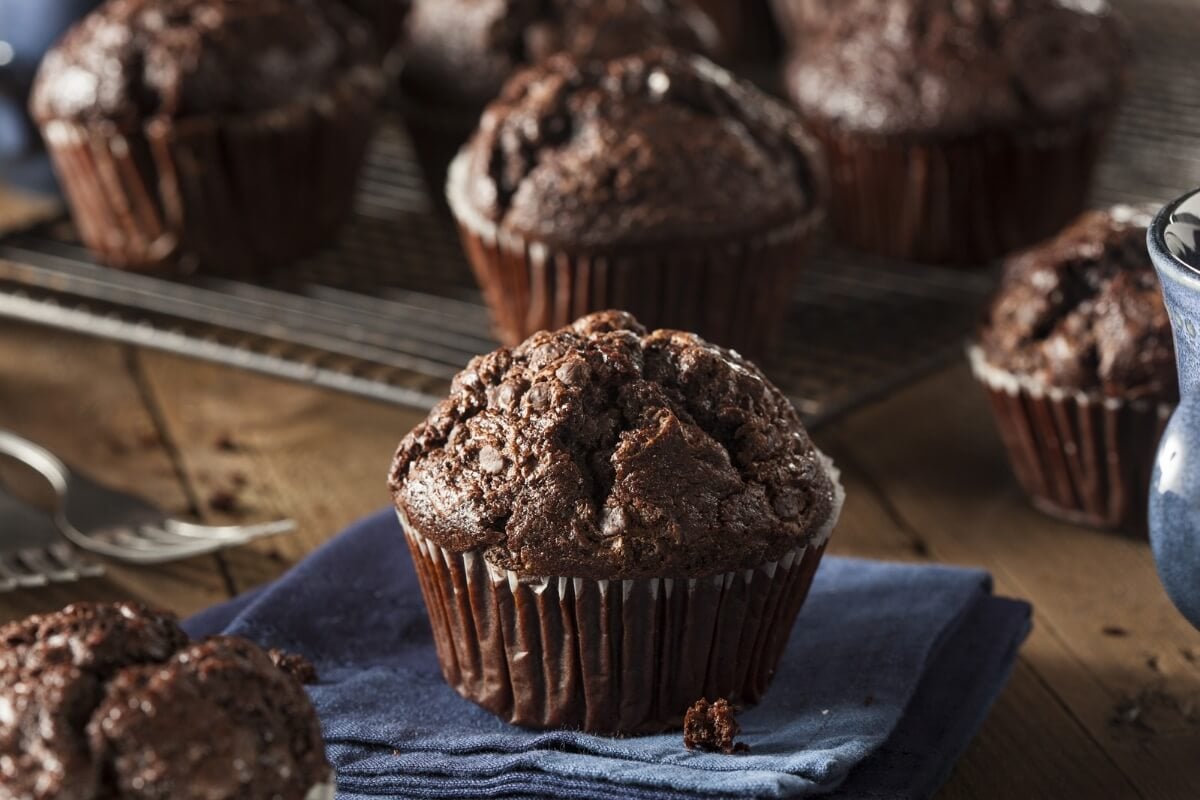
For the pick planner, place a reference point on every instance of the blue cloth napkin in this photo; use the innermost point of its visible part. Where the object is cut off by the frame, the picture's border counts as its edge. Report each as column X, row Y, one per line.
column 889, row 673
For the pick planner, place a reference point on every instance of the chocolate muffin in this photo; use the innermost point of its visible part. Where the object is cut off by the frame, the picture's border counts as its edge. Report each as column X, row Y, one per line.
column 385, row 17
column 460, row 53
column 113, row 702
column 800, row 19
column 656, row 183
column 224, row 133
column 1077, row 357
column 642, row 512
column 960, row 130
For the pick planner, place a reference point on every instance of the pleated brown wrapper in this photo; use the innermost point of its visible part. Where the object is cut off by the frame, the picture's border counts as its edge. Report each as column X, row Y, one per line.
column 734, row 292
column 232, row 195
column 958, row 201
column 1083, row 458
column 610, row 657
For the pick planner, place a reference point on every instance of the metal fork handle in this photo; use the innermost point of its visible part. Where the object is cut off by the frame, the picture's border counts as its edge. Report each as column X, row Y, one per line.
column 38, row 458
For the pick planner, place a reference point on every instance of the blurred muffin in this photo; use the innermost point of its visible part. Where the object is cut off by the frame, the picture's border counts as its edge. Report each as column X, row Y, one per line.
column 655, row 183
column 459, row 53
column 749, row 34
column 960, row 130
column 224, row 133
column 800, row 19
column 1077, row 357
column 111, row 701
column 385, row 18
column 547, row 487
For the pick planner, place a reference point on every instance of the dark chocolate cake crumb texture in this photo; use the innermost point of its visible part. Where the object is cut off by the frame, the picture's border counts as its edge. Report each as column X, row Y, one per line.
column 1084, row 312
column 949, row 67
column 604, row 451
column 295, row 665
column 650, row 148
column 712, row 727
column 462, row 51
column 111, row 702
column 134, row 60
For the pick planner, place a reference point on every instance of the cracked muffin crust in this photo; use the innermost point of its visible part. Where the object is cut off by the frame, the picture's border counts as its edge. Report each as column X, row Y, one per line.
column 461, row 52
column 1083, row 311
column 113, row 702
column 604, row 451
column 657, row 147
column 134, row 60
column 951, row 67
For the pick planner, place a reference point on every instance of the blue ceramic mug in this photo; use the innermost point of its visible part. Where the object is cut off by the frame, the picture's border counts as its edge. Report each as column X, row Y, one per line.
column 1174, row 241
column 28, row 28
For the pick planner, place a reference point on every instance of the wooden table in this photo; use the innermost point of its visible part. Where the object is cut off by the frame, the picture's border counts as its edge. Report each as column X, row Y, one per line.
column 1105, row 701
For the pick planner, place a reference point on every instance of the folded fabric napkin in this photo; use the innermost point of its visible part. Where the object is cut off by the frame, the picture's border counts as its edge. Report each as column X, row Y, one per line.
column 890, row 671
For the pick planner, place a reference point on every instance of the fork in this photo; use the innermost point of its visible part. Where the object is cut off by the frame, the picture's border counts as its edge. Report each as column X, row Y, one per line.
column 121, row 526
column 32, row 551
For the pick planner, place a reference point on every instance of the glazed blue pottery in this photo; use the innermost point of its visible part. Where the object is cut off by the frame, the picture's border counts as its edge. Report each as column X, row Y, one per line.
column 27, row 29
column 1175, row 494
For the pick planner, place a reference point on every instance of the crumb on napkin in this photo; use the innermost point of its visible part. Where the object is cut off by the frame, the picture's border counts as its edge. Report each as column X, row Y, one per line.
column 712, row 727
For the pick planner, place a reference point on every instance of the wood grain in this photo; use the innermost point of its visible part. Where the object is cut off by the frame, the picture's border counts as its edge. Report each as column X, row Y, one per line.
column 1103, row 702
column 79, row 398
column 1107, row 642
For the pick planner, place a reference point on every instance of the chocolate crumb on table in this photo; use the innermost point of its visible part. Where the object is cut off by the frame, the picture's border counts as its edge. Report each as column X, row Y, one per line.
column 712, row 727
column 295, row 665
column 225, row 502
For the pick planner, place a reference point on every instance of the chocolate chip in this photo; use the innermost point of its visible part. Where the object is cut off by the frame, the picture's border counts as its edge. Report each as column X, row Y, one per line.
column 490, row 460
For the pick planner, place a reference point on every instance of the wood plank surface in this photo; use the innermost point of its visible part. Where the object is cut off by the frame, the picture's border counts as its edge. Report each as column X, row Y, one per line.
column 1104, row 703
column 82, row 400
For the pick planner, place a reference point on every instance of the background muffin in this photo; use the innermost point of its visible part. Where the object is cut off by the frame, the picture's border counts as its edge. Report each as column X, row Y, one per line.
column 385, row 18
column 959, row 130
column 655, row 183
column 224, row 132
column 1077, row 356
column 564, row 458
column 111, row 701
column 459, row 54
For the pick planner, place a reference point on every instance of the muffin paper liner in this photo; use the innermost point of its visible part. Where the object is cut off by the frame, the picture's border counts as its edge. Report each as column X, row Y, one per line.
column 234, row 195
column 735, row 292
column 1083, row 458
column 614, row 657
column 958, row 201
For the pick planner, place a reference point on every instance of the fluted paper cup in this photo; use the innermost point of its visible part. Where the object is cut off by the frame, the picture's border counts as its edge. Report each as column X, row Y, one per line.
column 1084, row 458
column 734, row 292
column 960, row 201
column 611, row 657
column 234, row 195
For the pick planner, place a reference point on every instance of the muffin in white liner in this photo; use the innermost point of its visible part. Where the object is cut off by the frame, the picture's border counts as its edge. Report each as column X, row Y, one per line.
column 1085, row 458
column 657, row 183
column 1077, row 359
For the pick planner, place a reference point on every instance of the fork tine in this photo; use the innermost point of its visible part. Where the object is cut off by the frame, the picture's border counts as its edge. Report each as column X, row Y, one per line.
column 255, row 531
column 14, row 572
column 39, row 561
column 71, row 558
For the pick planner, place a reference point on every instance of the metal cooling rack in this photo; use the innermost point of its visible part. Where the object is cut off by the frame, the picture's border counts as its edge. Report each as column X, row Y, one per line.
column 391, row 312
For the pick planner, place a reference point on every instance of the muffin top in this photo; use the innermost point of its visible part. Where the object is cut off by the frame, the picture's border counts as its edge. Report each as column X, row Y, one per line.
column 1084, row 312
column 111, row 701
column 953, row 67
column 460, row 52
column 603, row 451
column 654, row 148
column 133, row 60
